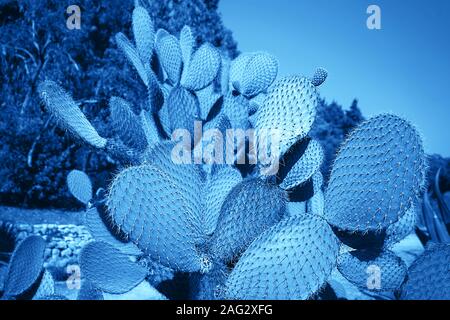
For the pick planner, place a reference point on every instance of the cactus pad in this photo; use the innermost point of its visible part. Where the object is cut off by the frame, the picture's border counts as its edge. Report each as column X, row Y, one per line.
column 169, row 53
column 295, row 208
column 211, row 148
column 89, row 292
column 132, row 55
column 224, row 77
column 216, row 189
column 259, row 73
column 317, row 180
column 316, row 205
column 144, row 34
column 25, row 266
column 187, row 42
column 156, row 272
column 289, row 107
column 207, row 98
column 203, row 68
column 305, row 167
column 122, row 153
column 402, row 228
column 361, row 267
column 127, row 125
column 183, row 109
column 291, row 260
column 61, row 105
column 149, row 127
column 237, row 68
column 378, row 173
column 46, row 287
column 158, row 216
column 236, row 109
column 319, row 77
column 108, row 269
column 209, row 286
column 100, row 232
column 429, row 275
column 163, row 115
column 249, row 209
column 80, row 186
column 187, row 177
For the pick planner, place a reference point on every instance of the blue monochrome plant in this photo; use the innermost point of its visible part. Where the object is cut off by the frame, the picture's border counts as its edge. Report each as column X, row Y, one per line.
column 24, row 277
column 236, row 231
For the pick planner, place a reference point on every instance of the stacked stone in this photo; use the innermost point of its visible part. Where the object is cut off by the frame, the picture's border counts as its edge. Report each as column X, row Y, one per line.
column 64, row 242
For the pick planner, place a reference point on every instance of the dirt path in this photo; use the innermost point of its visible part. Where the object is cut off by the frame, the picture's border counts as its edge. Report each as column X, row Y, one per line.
column 39, row 216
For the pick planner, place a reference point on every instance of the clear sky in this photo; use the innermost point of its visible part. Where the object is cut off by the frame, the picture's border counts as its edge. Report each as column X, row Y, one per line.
column 403, row 68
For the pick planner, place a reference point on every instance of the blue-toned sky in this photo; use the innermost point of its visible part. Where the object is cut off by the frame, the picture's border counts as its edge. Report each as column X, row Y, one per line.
column 402, row 68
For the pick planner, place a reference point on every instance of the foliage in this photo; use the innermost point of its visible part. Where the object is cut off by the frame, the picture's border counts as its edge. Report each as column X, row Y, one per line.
column 273, row 231
column 251, row 248
column 35, row 45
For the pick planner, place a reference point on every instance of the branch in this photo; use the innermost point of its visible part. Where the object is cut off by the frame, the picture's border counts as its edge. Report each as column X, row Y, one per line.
column 73, row 62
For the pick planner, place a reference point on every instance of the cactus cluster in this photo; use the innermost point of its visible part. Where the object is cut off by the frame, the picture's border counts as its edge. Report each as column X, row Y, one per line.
column 24, row 277
column 238, row 232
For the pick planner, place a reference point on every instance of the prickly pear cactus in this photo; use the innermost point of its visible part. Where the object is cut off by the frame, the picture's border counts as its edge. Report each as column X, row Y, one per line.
column 3, row 274
column 202, row 69
column 183, row 109
column 236, row 109
column 216, row 189
column 207, row 98
column 25, row 266
column 46, row 287
column 402, row 228
column 108, row 269
column 372, row 270
column 254, row 73
column 429, row 276
column 319, row 77
column 306, row 167
column 295, row 208
column 378, row 173
column 144, row 33
column 290, row 107
column 209, row 286
column 149, row 207
column 249, row 209
column 61, row 105
column 169, row 52
column 224, row 221
column 80, row 186
column 156, row 272
column 316, row 205
column 291, row 260
column 89, row 292
column 150, row 128
column 126, row 124
column 100, row 232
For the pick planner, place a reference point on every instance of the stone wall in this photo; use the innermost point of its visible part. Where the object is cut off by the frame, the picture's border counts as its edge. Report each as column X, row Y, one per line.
column 64, row 243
